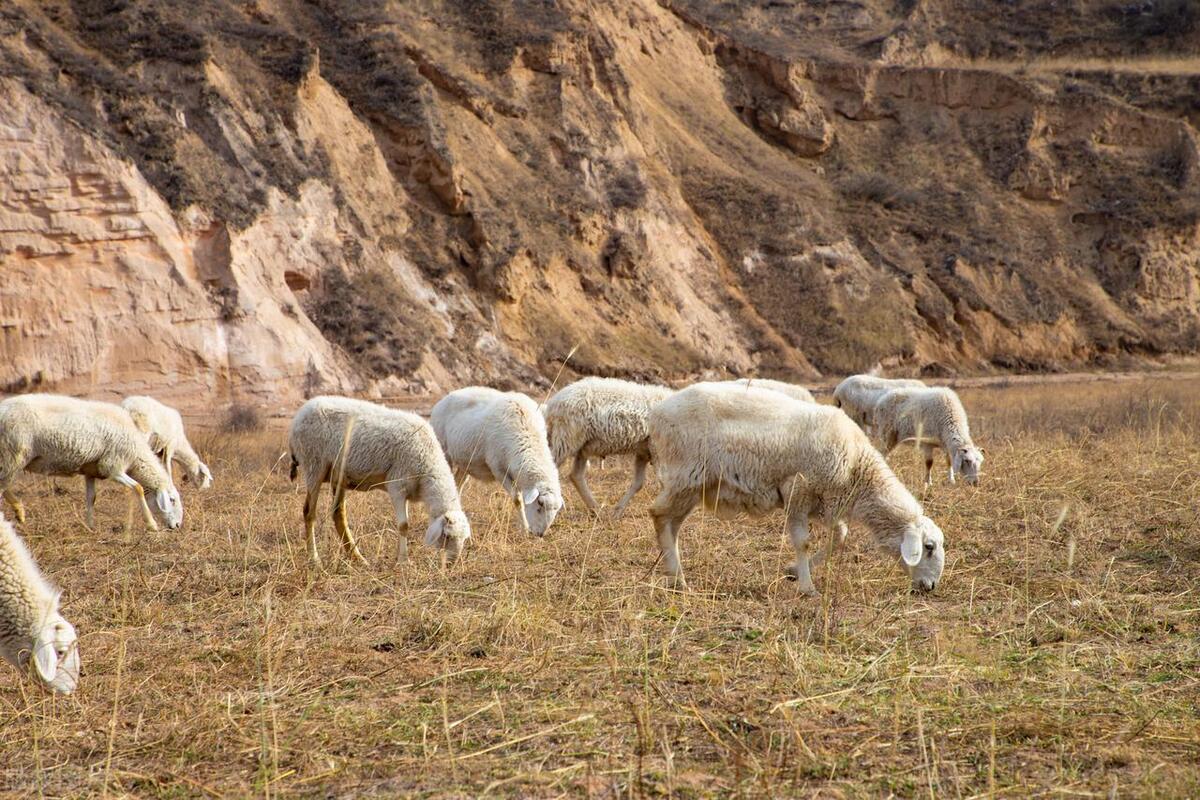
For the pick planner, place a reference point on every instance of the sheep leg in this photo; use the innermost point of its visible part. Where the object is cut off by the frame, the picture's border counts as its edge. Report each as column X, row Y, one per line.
column 140, row 494
column 839, row 537
column 640, row 460
column 511, row 490
column 89, row 502
column 797, row 523
column 950, row 464
column 17, row 506
column 339, row 522
column 579, row 478
column 668, row 514
column 927, row 452
column 400, row 502
column 310, row 521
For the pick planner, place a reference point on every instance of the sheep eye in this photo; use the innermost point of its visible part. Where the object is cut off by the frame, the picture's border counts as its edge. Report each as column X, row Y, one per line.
column 930, row 547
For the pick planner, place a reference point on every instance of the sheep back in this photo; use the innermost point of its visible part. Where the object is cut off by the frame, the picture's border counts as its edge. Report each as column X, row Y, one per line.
column 600, row 417
column 746, row 448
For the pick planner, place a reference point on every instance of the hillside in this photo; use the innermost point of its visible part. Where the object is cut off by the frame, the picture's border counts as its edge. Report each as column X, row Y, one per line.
column 225, row 201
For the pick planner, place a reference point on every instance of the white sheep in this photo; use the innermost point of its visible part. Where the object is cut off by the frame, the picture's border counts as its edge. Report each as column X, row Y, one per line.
column 164, row 427
column 31, row 627
column 598, row 417
column 736, row 449
column 353, row 444
column 55, row 435
column 858, row 394
column 790, row 389
column 501, row 436
column 931, row 417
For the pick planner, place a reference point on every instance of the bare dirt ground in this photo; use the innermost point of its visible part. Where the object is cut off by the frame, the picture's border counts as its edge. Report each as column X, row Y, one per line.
column 1058, row 657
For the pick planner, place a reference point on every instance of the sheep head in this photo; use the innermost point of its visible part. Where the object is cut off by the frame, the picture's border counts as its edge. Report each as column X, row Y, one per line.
column 540, row 505
column 923, row 553
column 965, row 462
column 50, row 648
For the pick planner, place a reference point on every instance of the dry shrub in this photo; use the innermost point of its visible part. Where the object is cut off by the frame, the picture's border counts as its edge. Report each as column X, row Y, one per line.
column 242, row 418
column 877, row 188
column 373, row 319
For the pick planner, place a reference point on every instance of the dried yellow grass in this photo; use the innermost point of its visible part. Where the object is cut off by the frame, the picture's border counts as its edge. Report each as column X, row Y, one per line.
column 1059, row 655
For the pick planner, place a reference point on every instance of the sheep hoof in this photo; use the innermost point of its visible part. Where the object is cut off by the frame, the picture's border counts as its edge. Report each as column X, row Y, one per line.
column 810, row 590
column 677, row 583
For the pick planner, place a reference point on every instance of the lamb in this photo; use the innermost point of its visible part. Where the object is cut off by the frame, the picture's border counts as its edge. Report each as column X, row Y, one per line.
column 737, row 449
column 790, row 389
column 56, row 435
column 353, row 444
column 501, row 436
column 598, row 417
column 31, row 627
column 858, row 394
column 164, row 427
column 931, row 417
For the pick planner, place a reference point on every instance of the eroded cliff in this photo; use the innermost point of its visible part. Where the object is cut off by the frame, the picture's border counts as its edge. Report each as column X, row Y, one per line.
column 256, row 201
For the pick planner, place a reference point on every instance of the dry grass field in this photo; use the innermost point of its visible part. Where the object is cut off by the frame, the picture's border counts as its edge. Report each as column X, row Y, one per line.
column 1059, row 656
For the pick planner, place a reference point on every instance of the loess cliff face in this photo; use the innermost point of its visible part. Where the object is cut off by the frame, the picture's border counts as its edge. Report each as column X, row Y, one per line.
column 251, row 201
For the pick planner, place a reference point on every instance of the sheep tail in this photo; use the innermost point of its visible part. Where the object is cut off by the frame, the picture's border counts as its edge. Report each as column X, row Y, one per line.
column 295, row 468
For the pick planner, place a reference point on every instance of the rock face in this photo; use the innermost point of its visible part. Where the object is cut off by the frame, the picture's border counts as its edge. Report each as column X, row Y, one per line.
column 249, row 202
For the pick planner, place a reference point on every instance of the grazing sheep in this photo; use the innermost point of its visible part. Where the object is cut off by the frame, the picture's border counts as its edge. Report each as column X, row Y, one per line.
column 164, row 427
column 353, row 444
column 31, row 627
column 598, row 417
column 858, row 394
column 501, row 436
column 790, row 389
column 736, row 449
column 931, row 417
column 55, row 435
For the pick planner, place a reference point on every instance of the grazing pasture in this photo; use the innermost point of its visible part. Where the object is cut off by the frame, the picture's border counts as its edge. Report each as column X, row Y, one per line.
column 1058, row 656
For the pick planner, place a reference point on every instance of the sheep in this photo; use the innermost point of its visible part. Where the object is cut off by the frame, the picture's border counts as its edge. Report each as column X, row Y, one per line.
column 501, row 436
column 858, row 394
column 31, row 627
column 737, row 449
column 353, row 444
column 56, row 435
column 931, row 417
column 164, row 427
column 598, row 417
column 790, row 389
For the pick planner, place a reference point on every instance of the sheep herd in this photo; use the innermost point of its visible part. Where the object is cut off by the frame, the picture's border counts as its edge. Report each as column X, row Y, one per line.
column 746, row 446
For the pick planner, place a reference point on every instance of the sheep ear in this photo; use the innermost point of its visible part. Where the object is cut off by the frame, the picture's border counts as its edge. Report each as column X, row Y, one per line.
column 529, row 496
column 45, row 660
column 910, row 546
column 436, row 533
